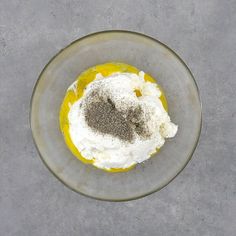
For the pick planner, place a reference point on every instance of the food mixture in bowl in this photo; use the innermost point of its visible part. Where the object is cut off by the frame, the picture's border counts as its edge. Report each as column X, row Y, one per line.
column 115, row 116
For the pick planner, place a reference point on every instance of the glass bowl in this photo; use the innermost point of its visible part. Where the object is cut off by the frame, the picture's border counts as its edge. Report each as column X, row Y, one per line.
column 152, row 57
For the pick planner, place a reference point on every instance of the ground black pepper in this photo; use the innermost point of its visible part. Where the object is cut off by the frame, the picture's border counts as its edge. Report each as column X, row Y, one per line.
column 102, row 115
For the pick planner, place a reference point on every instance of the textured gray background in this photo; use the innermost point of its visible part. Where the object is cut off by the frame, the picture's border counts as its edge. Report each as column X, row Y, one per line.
column 200, row 201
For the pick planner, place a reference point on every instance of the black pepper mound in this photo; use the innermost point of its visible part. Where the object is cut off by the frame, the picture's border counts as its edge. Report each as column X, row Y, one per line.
column 135, row 117
column 102, row 115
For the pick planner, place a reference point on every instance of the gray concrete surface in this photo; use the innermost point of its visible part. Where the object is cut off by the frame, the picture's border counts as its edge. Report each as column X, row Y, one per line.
column 200, row 201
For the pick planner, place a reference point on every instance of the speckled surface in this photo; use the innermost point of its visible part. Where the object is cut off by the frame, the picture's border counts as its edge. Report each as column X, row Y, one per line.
column 200, row 201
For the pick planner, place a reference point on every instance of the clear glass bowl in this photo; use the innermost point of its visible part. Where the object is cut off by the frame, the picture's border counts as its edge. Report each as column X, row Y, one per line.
column 147, row 54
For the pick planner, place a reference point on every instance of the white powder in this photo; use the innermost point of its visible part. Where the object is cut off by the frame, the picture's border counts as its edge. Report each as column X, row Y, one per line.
column 111, row 152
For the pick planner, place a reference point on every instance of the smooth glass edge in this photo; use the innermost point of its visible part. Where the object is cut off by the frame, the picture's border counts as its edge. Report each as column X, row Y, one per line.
column 108, row 32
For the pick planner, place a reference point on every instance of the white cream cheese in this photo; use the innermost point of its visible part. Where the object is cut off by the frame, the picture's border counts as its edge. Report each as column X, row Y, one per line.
column 108, row 151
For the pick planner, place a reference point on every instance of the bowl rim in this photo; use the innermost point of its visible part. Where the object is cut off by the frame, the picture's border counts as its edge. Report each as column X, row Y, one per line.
column 121, row 32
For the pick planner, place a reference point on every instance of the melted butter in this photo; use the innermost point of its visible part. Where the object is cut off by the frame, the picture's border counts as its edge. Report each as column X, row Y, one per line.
column 73, row 95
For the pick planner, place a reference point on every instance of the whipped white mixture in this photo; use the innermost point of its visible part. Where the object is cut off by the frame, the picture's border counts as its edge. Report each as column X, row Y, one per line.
column 106, row 150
